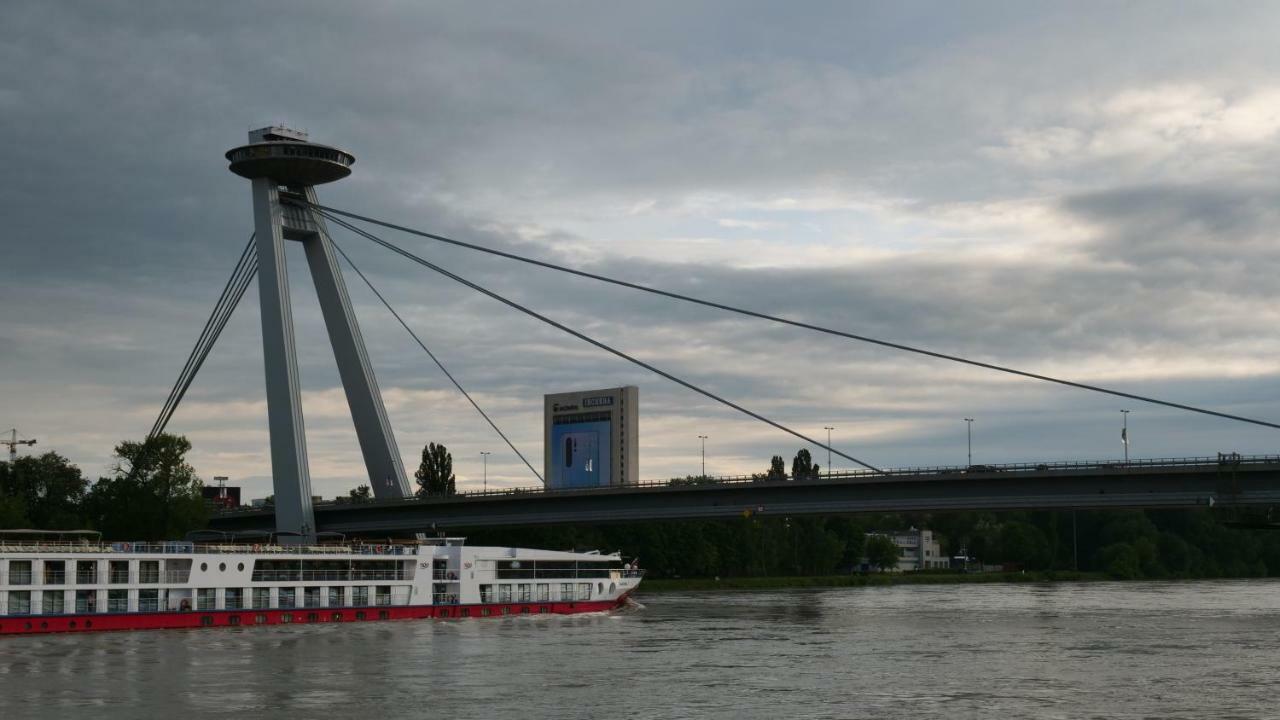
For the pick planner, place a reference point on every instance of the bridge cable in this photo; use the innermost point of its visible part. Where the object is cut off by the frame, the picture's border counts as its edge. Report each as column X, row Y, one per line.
column 437, row 361
column 208, row 325
column 799, row 324
column 243, row 273
column 238, row 292
column 564, row 328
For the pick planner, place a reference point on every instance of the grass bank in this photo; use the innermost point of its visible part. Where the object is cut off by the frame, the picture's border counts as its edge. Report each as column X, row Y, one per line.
column 660, row 585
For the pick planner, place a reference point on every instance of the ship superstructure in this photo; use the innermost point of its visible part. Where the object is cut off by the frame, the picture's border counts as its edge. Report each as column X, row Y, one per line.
column 85, row 585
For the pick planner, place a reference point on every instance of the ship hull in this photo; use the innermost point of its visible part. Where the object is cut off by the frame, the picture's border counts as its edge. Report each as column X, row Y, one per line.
column 174, row 620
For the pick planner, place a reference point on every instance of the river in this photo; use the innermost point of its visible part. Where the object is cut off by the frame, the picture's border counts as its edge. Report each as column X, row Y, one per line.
column 1107, row 650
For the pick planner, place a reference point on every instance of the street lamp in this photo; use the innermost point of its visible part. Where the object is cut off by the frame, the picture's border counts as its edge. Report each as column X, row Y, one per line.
column 1124, row 435
column 969, row 432
column 828, row 428
column 485, row 455
column 703, row 438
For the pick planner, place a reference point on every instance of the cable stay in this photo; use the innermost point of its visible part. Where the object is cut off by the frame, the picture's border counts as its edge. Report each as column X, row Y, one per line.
column 437, row 361
column 585, row 338
column 245, row 269
column 797, row 323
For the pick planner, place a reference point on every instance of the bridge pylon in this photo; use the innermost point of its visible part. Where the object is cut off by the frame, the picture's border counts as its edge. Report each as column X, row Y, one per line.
column 283, row 165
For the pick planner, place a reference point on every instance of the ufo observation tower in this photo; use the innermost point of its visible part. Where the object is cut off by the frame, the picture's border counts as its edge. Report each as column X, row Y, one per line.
column 284, row 167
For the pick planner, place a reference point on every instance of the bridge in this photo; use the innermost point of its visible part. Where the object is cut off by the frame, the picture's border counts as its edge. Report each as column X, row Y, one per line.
column 284, row 166
column 1229, row 481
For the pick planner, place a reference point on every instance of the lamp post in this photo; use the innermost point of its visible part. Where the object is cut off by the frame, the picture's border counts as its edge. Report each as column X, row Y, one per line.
column 969, row 432
column 485, row 456
column 1124, row 435
column 828, row 428
column 703, row 438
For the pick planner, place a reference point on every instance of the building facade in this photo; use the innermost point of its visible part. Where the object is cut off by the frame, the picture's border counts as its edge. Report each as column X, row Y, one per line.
column 591, row 438
column 917, row 550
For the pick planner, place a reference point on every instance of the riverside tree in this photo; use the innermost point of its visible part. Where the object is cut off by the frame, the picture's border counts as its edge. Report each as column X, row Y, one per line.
column 151, row 494
column 44, row 492
column 882, row 552
column 435, row 473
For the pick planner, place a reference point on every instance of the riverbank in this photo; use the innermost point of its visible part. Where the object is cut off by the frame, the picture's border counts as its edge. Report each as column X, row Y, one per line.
column 661, row 585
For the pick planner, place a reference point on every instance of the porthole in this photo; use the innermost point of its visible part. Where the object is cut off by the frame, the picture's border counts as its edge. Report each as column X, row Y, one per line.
column 88, row 624
column 44, row 626
column 240, row 567
column 204, row 567
column 359, row 615
column 73, row 624
column 222, row 567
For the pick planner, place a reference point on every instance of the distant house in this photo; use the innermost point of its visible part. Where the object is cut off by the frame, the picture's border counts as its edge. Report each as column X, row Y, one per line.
column 917, row 550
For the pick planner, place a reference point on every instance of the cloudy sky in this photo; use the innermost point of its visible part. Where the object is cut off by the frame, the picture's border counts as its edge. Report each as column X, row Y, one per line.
column 1088, row 191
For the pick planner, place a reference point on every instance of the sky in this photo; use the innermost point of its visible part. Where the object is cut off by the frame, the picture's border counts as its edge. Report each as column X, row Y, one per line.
column 1086, row 190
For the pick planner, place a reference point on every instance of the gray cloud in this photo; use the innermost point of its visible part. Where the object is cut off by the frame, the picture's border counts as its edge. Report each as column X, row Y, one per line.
column 1085, row 191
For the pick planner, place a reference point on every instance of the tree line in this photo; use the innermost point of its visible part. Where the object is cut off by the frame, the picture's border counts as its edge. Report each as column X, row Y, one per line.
column 1123, row 544
column 150, row 493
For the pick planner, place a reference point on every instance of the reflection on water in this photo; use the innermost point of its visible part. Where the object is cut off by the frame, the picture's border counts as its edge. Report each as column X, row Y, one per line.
column 1184, row 650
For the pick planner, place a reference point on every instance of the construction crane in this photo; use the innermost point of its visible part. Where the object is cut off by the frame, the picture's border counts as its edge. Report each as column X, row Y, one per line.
column 13, row 442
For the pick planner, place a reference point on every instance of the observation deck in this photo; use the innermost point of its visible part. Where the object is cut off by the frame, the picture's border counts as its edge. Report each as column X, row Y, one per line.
column 287, row 157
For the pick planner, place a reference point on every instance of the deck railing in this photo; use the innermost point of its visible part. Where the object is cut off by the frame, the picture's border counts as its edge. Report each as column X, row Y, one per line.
column 332, row 575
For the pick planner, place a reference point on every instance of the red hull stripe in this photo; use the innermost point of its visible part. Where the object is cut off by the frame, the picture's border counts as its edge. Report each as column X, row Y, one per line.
column 33, row 624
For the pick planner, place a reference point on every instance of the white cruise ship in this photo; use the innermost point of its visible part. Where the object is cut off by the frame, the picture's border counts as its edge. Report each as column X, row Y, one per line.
column 72, row 582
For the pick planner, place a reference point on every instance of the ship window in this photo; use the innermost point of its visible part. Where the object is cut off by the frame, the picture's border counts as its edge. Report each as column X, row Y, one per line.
column 86, row 601
column 118, row 571
column 204, row 567
column 261, row 598
column 466, row 612
column 19, row 572
column 360, row 595
column 288, row 597
column 206, row 599
column 286, row 618
column 222, row 567
column 19, row 602
column 234, row 620
column 360, row 615
column 55, row 572
column 384, row 615
column 484, row 612
column 260, row 619
column 311, row 597
column 53, row 602
column 206, row 620
column 149, row 600
column 382, row 595
column 524, row 610
column 240, row 567
column 336, row 597
column 117, row 601
column 149, row 571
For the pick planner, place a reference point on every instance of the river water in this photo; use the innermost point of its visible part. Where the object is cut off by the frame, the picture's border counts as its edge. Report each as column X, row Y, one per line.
column 1104, row 650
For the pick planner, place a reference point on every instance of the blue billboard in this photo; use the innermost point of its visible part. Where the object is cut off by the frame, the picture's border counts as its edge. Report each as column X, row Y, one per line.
column 580, row 454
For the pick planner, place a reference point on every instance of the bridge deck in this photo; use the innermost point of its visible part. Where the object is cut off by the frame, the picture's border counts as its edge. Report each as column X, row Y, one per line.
column 1164, row 483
